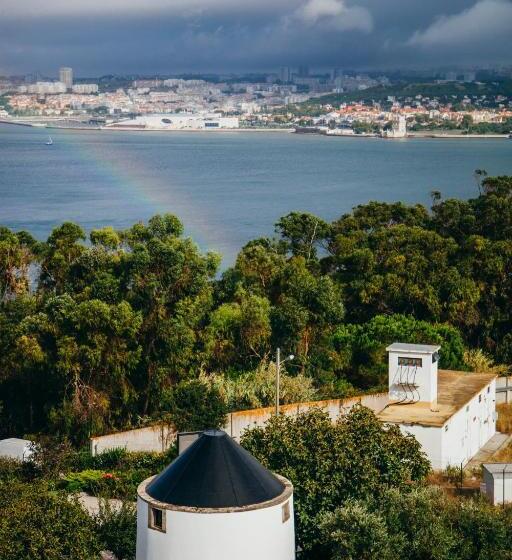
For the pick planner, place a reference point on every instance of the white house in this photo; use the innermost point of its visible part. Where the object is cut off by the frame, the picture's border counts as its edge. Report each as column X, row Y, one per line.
column 215, row 502
column 451, row 413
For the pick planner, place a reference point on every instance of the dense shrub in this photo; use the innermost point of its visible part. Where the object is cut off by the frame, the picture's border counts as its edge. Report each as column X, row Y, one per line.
column 417, row 523
column 354, row 458
column 196, row 405
column 117, row 529
column 38, row 523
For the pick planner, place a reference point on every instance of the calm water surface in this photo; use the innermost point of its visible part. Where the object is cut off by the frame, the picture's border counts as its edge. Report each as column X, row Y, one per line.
column 228, row 187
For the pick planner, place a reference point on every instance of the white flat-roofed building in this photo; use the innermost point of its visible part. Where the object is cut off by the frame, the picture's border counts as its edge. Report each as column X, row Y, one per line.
column 180, row 121
column 451, row 413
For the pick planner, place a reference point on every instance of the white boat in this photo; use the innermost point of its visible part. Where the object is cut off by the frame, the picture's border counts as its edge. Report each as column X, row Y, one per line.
column 50, row 141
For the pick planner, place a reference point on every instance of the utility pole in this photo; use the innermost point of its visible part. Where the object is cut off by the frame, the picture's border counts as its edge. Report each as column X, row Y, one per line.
column 278, row 377
column 278, row 374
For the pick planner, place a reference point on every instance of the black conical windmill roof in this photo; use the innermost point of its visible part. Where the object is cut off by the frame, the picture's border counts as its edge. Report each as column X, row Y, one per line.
column 215, row 472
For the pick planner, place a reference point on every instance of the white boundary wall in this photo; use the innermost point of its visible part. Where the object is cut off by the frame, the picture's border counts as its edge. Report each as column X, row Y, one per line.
column 158, row 438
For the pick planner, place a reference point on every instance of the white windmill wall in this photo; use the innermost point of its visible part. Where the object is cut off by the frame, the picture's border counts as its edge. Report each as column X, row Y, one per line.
column 255, row 534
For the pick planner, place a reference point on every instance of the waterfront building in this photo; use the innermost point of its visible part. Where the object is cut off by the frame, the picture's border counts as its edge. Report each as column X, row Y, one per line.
column 215, row 502
column 398, row 130
column 179, row 121
column 66, row 76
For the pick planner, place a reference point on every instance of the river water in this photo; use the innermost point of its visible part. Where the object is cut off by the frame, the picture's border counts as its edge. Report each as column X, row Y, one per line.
column 226, row 187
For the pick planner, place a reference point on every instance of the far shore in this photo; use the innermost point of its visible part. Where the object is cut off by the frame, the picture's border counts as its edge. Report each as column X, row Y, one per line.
column 52, row 124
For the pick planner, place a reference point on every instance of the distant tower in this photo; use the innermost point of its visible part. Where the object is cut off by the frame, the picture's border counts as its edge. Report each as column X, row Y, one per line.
column 303, row 71
column 215, row 502
column 66, row 77
column 285, row 74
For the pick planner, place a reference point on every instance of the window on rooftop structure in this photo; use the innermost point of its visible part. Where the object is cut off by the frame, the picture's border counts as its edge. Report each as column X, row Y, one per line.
column 411, row 362
column 286, row 512
column 488, row 389
column 156, row 519
column 479, row 398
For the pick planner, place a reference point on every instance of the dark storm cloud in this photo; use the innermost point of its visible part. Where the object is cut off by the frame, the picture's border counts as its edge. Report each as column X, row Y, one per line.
column 146, row 36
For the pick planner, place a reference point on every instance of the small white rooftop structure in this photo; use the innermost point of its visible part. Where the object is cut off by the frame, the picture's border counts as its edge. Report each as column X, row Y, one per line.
column 498, row 482
column 413, row 372
column 15, row 448
column 451, row 413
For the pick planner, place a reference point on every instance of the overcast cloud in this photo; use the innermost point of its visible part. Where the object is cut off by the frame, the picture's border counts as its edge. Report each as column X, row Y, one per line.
column 171, row 36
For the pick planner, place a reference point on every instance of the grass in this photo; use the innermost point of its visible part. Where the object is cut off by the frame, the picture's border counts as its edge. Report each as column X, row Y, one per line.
column 504, row 455
column 504, row 423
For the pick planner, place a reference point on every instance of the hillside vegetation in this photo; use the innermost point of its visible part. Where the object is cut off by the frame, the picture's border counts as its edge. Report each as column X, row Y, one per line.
column 122, row 327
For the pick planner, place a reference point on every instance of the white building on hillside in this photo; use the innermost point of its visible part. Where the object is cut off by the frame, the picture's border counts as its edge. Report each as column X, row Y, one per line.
column 452, row 414
column 215, row 502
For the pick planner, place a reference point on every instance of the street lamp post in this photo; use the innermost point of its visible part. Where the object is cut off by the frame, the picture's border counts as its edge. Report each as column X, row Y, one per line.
column 278, row 374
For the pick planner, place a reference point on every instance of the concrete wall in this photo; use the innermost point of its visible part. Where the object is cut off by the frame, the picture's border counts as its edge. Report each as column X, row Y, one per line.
column 159, row 438
column 153, row 438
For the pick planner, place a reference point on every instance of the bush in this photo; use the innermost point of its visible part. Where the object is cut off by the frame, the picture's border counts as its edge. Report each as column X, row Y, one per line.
column 117, row 529
column 38, row 523
column 12, row 470
column 329, row 463
column 196, row 406
column 122, row 485
column 258, row 388
column 353, row 532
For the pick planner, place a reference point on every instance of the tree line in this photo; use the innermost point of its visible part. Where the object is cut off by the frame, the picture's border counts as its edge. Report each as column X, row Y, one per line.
column 107, row 331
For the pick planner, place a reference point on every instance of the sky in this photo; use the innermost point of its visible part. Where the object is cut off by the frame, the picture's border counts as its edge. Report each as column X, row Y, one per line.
column 146, row 37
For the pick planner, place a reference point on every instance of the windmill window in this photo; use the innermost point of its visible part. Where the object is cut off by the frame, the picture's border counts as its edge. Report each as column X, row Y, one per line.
column 286, row 512
column 156, row 519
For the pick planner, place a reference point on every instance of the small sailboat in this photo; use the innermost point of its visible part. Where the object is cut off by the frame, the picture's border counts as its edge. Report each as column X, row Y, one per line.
column 50, row 141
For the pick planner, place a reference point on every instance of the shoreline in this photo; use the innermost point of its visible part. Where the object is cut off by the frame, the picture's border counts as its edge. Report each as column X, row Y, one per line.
column 411, row 135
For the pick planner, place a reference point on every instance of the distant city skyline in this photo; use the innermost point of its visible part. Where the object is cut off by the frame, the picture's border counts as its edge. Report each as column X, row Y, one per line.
column 174, row 36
